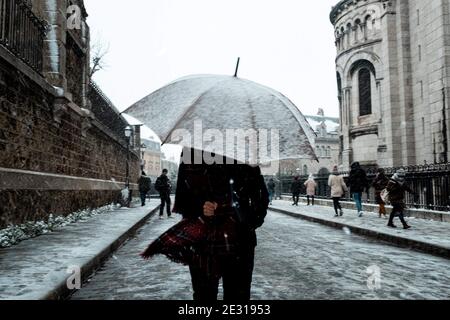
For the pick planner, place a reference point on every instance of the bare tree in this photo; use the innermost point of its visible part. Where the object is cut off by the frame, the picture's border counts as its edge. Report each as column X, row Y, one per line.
column 99, row 50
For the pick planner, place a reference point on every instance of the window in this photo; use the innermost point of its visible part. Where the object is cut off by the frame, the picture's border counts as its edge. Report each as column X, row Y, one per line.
column 305, row 170
column 420, row 53
column 418, row 17
column 365, row 92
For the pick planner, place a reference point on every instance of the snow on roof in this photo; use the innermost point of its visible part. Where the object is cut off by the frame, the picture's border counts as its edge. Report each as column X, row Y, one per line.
column 146, row 132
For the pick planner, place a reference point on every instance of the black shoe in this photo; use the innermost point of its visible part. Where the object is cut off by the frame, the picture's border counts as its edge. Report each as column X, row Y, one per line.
column 406, row 227
column 336, row 216
column 392, row 226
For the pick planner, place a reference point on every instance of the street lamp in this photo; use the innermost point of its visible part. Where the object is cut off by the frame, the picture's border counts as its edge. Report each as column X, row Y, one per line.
column 128, row 133
column 143, row 149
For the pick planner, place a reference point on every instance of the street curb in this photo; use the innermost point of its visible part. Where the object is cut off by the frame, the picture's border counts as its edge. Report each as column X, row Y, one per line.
column 416, row 245
column 61, row 292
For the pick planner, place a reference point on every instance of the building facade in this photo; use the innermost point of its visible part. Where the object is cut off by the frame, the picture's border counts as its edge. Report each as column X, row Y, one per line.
column 393, row 76
column 326, row 146
column 62, row 142
column 151, row 158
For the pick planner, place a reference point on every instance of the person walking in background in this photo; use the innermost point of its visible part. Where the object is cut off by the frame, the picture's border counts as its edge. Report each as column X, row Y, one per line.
column 396, row 189
column 271, row 189
column 380, row 183
column 164, row 187
column 311, row 186
column 296, row 189
column 145, row 185
column 338, row 189
column 358, row 182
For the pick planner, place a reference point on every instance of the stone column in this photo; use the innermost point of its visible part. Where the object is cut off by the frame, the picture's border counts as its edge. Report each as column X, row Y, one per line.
column 347, row 154
column 53, row 11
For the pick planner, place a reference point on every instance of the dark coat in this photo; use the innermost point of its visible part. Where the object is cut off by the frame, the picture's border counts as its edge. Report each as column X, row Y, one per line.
column 145, row 184
column 271, row 186
column 296, row 186
column 357, row 180
column 397, row 193
column 380, row 183
column 198, row 184
column 162, row 184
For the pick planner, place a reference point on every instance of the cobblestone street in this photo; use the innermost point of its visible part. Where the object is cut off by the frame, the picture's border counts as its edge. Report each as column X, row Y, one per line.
column 295, row 260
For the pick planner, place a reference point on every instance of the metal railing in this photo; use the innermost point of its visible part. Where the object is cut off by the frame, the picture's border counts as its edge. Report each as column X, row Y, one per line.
column 431, row 183
column 105, row 111
column 22, row 32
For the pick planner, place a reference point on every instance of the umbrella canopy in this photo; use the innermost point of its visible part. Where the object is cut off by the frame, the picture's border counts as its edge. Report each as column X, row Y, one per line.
column 218, row 113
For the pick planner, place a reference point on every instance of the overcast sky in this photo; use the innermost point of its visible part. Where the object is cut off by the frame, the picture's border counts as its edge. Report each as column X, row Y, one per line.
column 284, row 44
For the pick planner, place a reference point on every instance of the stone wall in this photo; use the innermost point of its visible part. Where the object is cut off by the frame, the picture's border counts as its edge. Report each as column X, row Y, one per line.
column 55, row 157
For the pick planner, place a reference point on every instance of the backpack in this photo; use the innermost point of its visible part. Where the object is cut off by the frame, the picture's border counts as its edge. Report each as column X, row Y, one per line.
column 158, row 184
column 385, row 196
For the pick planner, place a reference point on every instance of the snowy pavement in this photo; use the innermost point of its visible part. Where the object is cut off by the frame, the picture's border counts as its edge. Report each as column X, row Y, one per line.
column 429, row 232
column 35, row 268
column 296, row 260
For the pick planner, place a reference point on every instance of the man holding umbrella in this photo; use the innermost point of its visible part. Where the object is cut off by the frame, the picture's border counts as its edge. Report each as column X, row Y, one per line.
column 222, row 202
column 232, row 200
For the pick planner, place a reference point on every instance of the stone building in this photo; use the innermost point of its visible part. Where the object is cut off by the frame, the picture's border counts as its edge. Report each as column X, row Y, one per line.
column 172, row 166
column 62, row 142
column 151, row 158
column 326, row 146
column 393, row 75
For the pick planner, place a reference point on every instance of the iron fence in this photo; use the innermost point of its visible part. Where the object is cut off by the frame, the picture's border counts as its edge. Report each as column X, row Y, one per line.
column 22, row 32
column 431, row 183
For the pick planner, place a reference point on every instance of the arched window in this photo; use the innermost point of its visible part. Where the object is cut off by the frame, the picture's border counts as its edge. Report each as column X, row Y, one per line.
column 305, row 170
column 365, row 92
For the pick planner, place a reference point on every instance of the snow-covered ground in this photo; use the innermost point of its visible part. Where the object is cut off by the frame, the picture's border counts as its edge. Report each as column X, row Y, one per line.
column 295, row 260
column 33, row 268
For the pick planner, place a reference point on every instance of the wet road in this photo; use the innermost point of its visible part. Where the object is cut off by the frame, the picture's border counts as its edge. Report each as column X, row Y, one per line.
column 296, row 260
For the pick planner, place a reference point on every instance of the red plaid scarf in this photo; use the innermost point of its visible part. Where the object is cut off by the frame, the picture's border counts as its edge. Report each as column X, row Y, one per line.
column 191, row 238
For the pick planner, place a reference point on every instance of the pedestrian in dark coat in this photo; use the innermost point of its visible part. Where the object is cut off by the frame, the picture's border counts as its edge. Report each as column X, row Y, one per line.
column 396, row 188
column 380, row 183
column 358, row 183
column 222, row 205
column 145, row 185
column 271, row 189
column 296, row 189
column 164, row 187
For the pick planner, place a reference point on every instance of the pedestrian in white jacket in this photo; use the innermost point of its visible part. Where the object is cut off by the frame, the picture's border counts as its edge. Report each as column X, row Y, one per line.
column 338, row 189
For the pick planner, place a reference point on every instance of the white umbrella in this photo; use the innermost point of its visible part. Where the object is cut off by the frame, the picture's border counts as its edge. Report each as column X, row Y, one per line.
column 217, row 114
